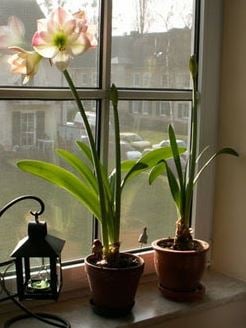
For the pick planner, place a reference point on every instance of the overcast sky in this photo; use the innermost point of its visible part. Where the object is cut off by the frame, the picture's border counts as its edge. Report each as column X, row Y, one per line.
column 164, row 14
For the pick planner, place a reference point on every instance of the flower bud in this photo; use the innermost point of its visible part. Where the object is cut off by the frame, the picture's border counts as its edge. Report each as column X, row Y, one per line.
column 193, row 66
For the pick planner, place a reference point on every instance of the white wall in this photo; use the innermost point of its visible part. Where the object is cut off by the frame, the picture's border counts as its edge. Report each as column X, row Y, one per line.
column 229, row 230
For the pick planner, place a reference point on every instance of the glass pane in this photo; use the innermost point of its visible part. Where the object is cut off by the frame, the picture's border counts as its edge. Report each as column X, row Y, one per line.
column 151, row 43
column 33, row 129
column 144, row 127
column 83, row 68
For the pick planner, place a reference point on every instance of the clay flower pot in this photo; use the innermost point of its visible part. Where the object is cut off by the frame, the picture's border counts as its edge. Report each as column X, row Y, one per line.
column 113, row 289
column 180, row 272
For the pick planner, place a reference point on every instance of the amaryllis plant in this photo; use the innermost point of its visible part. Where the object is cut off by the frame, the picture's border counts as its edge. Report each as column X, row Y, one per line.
column 58, row 39
column 182, row 181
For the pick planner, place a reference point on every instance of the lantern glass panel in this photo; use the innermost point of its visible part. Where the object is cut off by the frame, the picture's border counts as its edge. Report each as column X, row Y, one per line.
column 58, row 273
column 40, row 274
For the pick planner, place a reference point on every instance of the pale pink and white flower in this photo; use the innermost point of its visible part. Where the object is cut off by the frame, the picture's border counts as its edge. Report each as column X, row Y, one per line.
column 24, row 62
column 13, row 33
column 62, row 36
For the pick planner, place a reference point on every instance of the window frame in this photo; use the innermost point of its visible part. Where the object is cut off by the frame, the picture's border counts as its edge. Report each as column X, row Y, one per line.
column 209, row 22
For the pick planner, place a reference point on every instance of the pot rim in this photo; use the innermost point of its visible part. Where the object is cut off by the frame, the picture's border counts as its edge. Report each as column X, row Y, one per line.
column 156, row 247
column 140, row 260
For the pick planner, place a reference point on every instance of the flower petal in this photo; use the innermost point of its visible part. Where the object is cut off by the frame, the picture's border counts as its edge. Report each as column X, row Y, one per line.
column 60, row 16
column 24, row 62
column 80, row 45
column 61, row 60
column 42, row 45
column 69, row 26
column 16, row 26
column 42, row 24
column 41, row 38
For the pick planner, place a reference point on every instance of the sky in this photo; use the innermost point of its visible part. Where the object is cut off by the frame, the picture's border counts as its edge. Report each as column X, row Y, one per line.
column 162, row 15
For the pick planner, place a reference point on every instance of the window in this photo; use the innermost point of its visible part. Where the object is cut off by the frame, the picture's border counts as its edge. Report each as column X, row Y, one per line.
column 146, row 80
column 163, row 109
column 137, row 79
column 147, row 108
column 146, row 56
column 183, row 111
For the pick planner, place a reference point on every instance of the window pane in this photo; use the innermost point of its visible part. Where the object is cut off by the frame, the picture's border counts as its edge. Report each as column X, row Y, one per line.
column 151, row 46
column 83, row 68
column 144, row 127
column 33, row 129
column 151, row 43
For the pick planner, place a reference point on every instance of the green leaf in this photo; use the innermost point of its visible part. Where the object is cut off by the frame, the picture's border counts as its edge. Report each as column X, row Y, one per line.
column 176, row 157
column 85, row 149
column 174, row 187
column 193, row 66
column 106, row 182
column 138, row 168
column 154, row 156
column 201, row 154
column 127, row 165
column 148, row 161
column 113, row 95
column 156, row 171
column 80, row 166
column 65, row 180
column 228, row 151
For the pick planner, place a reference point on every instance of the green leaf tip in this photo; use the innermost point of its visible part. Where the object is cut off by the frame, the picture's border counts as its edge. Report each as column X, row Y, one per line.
column 193, row 66
column 114, row 95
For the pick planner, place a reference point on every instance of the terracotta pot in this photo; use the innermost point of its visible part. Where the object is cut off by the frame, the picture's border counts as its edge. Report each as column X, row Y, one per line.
column 113, row 289
column 180, row 272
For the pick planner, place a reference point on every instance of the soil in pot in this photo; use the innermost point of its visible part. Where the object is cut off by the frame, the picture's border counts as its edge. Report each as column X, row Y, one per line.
column 180, row 272
column 113, row 290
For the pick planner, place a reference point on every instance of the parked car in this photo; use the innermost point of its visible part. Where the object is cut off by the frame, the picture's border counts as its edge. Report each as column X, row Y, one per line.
column 91, row 119
column 135, row 140
column 166, row 143
column 128, row 152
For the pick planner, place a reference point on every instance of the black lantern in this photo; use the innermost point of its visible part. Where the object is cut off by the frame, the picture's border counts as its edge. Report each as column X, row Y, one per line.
column 38, row 263
column 38, row 268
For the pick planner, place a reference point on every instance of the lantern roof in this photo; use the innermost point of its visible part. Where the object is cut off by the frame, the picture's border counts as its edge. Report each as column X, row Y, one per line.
column 38, row 243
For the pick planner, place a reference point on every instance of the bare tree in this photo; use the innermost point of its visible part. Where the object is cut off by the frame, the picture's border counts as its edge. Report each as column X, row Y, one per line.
column 48, row 5
column 186, row 16
column 143, row 15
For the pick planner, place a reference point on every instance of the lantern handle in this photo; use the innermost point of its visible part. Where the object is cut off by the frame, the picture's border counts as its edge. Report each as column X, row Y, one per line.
column 18, row 199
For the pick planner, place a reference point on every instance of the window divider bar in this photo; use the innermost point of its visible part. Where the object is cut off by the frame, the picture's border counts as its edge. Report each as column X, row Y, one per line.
column 105, row 78
column 165, row 95
column 96, row 94
column 48, row 94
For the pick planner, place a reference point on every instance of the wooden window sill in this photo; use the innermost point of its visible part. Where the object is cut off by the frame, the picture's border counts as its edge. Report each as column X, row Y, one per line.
column 223, row 295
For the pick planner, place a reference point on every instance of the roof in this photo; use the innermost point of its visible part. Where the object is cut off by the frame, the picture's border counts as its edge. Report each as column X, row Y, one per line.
column 38, row 243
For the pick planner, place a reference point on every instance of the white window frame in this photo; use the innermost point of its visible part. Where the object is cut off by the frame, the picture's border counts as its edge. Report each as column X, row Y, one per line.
column 211, row 24
column 209, row 57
